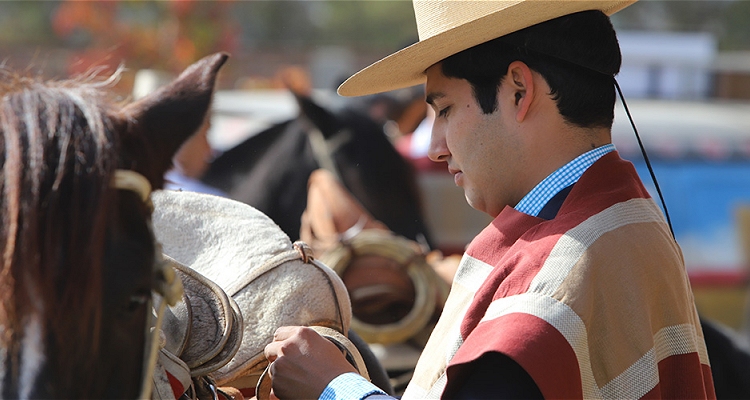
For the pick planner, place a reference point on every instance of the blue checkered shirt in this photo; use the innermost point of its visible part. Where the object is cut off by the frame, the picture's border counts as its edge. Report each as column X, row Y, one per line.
column 565, row 176
column 349, row 386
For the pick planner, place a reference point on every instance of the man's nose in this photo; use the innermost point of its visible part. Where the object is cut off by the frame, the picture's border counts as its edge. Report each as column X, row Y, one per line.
column 438, row 149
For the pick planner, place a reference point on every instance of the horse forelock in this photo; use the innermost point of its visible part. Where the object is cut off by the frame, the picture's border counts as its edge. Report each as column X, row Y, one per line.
column 57, row 159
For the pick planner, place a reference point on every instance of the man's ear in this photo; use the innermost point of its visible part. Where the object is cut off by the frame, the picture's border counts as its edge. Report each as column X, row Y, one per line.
column 520, row 83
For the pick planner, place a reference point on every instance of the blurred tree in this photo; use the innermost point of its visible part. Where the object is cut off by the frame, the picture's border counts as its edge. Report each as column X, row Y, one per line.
column 725, row 19
column 384, row 25
column 166, row 35
column 358, row 24
column 735, row 29
column 32, row 16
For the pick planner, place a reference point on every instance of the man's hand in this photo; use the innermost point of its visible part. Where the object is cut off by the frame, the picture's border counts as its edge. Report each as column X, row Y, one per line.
column 303, row 362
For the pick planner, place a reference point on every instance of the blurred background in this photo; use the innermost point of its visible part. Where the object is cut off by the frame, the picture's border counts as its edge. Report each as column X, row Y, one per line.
column 685, row 75
column 331, row 37
column 336, row 38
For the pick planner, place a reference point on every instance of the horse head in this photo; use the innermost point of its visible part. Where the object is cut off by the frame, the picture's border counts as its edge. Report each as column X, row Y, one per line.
column 354, row 146
column 78, row 252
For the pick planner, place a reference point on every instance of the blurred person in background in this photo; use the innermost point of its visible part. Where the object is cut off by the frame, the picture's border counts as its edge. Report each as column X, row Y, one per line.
column 190, row 162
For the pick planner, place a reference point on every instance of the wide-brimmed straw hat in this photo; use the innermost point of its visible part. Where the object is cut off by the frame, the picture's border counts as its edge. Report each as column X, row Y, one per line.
column 447, row 27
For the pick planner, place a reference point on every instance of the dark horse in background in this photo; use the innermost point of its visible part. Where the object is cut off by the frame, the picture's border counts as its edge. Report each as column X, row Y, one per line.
column 78, row 255
column 270, row 170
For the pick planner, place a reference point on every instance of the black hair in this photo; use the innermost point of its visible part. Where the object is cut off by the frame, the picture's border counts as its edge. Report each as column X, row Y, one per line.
column 577, row 54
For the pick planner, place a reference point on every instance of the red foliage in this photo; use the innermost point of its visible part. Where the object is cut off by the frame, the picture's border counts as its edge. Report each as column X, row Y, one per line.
column 181, row 32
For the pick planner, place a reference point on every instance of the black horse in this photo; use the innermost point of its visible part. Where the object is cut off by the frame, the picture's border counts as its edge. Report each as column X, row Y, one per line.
column 730, row 360
column 270, row 170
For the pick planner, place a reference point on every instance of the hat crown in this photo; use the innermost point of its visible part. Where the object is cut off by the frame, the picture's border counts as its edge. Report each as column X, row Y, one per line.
column 434, row 16
column 447, row 27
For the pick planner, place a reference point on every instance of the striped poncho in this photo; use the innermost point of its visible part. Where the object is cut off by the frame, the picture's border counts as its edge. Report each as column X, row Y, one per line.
column 594, row 303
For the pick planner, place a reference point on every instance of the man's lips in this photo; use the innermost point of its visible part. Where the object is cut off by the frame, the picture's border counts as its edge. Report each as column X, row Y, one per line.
column 457, row 174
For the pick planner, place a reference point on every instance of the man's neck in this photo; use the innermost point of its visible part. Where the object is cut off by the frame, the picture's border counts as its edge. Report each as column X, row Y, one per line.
column 562, row 143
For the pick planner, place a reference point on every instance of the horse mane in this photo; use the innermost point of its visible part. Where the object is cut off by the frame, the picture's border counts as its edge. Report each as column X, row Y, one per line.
column 58, row 154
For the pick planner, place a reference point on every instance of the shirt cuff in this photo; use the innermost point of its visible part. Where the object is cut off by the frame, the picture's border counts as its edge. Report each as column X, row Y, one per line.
column 349, row 386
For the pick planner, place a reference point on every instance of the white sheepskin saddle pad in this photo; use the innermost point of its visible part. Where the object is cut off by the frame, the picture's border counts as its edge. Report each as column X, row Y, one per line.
column 273, row 281
column 199, row 334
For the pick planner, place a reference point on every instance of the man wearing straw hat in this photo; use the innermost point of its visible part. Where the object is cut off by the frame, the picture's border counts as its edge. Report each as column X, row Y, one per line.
column 577, row 289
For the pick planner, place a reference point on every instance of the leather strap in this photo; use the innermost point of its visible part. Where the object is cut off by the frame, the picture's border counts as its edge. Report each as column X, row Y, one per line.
column 346, row 346
column 124, row 179
column 167, row 284
column 404, row 252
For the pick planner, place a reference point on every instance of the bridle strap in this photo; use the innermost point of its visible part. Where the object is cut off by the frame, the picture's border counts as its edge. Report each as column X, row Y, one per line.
column 168, row 285
column 130, row 180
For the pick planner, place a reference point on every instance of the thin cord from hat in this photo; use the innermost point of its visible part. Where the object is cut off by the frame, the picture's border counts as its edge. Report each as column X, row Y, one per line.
column 523, row 46
column 645, row 158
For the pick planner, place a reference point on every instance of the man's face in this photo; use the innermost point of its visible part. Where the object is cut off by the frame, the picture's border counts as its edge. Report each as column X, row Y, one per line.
column 484, row 152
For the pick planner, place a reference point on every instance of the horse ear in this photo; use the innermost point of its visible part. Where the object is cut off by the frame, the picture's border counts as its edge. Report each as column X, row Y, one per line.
column 319, row 117
column 166, row 118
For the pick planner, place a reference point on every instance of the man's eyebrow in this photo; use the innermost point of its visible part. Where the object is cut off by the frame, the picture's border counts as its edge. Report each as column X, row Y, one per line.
column 430, row 99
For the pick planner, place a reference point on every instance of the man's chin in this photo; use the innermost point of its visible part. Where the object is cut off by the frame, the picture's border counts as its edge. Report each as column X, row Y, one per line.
column 471, row 202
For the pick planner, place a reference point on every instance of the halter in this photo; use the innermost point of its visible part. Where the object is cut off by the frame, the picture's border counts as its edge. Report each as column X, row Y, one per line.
column 167, row 285
column 130, row 180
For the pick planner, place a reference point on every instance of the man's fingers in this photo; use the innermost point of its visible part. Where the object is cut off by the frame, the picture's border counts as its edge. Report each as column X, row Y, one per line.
column 303, row 362
column 275, row 349
column 271, row 351
column 285, row 332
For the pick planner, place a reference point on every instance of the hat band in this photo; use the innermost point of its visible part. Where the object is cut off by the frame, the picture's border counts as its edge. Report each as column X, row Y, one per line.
column 523, row 47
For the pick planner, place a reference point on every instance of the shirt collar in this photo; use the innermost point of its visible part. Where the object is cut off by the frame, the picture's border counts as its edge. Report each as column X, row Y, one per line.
column 563, row 177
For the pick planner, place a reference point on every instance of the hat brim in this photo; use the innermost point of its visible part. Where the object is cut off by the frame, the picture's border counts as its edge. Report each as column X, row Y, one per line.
column 406, row 67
